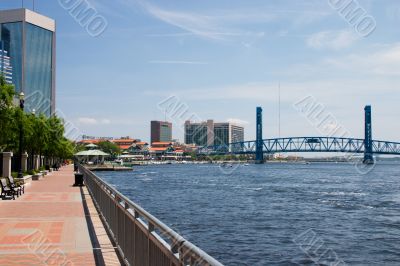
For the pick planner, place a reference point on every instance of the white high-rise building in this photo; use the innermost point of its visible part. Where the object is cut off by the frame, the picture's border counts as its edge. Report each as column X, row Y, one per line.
column 209, row 133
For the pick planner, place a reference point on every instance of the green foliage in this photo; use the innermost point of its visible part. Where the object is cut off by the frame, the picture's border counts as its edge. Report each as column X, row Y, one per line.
column 6, row 113
column 42, row 135
column 109, row 147
column 32, row 172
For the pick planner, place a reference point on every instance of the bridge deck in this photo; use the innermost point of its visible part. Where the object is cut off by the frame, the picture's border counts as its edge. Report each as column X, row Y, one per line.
column 306, row 144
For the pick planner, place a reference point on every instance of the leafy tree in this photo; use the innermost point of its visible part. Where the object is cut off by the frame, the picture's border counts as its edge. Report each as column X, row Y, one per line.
column 109, row 147
column 42, row 135
column 7, row 93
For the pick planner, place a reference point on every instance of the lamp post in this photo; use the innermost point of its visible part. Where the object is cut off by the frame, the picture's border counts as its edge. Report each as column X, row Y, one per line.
column 21, row 134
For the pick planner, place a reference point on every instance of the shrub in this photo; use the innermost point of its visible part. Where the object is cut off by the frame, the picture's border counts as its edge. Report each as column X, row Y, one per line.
column 31, row 172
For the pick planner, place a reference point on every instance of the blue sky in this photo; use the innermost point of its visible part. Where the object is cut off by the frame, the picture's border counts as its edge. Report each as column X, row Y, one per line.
column 222, row 59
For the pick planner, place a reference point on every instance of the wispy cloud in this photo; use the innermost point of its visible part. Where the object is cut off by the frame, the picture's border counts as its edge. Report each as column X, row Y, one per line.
column 383, row 61
column 92, row 121
column 177, row 62
column 242, row 24
column 377, row 62
column 177, row 34
column 332, row 39
column 204, row 25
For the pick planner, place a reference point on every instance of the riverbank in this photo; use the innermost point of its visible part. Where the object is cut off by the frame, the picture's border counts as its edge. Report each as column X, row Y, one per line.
column 53, row 223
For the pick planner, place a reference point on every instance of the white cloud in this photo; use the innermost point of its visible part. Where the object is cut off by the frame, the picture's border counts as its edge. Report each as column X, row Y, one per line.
column 380, row 61
column 384, row 61
column 105, row 121
column 210, row 26
column 328, row 90
column 332, row 39
column 92, row 121
column 229, row 24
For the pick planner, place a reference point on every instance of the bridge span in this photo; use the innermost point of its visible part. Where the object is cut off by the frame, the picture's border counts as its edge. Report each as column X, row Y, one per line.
column 305, row 144
column 351, row 146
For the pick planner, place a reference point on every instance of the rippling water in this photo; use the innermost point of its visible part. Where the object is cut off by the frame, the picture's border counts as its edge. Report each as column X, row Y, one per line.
column 275, row 214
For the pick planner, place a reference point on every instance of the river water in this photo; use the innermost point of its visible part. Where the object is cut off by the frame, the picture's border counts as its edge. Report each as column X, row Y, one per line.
column 275, row 214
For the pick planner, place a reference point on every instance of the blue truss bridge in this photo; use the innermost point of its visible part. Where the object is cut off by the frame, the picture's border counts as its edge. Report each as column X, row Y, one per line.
column 306, row 144
column 350, row 146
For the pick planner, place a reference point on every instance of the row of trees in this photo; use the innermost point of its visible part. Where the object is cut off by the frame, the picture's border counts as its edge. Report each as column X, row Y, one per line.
column 42, row 135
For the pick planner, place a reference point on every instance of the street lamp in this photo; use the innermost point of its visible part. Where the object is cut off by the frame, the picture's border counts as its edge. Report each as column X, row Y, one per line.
column 21, row 134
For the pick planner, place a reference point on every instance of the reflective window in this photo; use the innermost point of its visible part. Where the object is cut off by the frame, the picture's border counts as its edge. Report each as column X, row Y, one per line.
column 11, row 36
column 38, row 66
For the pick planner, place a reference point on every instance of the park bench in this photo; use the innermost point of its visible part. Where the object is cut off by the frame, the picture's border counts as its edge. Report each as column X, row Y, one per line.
column 20, row 185
column 6, row 191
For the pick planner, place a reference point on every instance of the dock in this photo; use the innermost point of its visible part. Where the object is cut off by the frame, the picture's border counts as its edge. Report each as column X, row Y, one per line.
column 108, row 167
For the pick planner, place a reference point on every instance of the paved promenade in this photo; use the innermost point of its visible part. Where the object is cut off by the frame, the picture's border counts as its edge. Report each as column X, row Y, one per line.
column 53, row 223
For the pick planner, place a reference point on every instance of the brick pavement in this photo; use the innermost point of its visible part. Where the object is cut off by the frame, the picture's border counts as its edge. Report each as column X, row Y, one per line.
column 48, row 226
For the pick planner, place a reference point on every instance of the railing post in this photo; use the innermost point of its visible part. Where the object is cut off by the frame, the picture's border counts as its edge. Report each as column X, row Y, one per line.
column 150, row 230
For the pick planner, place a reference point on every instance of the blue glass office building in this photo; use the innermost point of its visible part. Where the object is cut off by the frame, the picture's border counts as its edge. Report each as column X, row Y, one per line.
column 5, row 65
column 29, row 40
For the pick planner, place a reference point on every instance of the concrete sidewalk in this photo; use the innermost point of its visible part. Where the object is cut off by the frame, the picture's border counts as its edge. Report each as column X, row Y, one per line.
column 48, row 225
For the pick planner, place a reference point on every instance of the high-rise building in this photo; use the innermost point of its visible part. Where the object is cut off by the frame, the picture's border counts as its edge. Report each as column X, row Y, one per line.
column 161, row 131
column 209, row 133
column 5, row 65
column 29, row 40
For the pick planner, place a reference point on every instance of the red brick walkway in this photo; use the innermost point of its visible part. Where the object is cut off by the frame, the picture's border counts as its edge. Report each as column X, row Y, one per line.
column 47, row 225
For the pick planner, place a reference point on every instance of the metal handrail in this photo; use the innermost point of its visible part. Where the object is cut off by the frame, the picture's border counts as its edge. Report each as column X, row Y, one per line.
column 178, row 250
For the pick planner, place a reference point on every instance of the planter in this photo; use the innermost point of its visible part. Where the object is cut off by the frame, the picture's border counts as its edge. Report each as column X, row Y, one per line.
column 37, row 177
column 46, row 172
column 27, row 179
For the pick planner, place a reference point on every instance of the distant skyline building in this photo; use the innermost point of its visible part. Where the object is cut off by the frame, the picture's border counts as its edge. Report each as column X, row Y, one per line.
column 29, row 41
column 160, row 131
column 209, row 133
column 5, row 65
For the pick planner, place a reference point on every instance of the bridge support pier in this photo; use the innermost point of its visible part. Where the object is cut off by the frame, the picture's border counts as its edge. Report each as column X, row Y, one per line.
column 368, row 153
column 259, row 139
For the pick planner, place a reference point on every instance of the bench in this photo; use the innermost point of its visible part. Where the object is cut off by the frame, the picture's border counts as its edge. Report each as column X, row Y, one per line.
column 6, row 191
column 20, row 185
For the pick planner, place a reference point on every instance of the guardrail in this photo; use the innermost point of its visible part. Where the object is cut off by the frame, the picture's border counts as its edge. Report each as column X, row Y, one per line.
column 140, row 237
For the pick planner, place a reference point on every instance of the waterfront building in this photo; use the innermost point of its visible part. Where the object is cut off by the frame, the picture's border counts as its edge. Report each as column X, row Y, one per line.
column 140, row 147
column 124, row 143
column 210, row 133
column 28, row 39
column 5, row 65
column 160, row 148
column 161, row 131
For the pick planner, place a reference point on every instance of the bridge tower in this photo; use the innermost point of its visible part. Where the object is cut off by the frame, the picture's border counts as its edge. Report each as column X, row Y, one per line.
column 368, row 153
column 259, row 138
